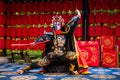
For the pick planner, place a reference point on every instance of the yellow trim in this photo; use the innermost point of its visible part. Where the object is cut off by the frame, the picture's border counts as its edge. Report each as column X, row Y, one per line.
column 67, row 30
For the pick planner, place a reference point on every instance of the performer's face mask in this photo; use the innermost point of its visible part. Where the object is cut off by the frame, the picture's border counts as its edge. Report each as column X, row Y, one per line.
column 57, row 25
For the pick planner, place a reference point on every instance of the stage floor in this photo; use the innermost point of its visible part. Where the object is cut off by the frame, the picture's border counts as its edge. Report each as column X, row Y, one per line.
column 8, row 72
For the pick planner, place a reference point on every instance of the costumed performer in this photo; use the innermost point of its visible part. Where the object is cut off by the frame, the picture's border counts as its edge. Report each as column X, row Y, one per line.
column 64, row 47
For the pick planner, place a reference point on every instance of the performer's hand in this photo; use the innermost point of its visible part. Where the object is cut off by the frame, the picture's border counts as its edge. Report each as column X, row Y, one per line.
column 20, row 71
column 79, row 14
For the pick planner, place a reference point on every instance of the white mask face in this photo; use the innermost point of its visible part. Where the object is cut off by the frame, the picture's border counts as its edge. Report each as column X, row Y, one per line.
column 57, row 25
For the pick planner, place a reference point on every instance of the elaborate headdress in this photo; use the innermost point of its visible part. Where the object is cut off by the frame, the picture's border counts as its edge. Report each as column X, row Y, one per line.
column 57, row 18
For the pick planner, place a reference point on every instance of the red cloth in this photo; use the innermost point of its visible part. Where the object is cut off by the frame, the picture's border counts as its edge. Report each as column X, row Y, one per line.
column 108, row 43
column 90, row 51
column 110, row 59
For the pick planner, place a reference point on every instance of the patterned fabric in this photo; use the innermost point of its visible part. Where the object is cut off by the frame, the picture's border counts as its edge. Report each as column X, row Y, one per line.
column 8, row 72
column 90, row 51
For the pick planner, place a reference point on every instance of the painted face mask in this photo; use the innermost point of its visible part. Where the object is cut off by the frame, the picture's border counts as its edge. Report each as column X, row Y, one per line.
column 57, row 22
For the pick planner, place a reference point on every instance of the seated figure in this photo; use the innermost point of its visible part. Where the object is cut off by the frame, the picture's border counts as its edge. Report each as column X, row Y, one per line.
column 62, row 53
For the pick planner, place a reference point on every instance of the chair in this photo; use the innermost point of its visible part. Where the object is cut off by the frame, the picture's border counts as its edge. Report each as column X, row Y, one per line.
column 109, row 52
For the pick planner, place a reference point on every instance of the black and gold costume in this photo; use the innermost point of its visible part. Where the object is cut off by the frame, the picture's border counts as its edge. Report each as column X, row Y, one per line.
column 60, row 54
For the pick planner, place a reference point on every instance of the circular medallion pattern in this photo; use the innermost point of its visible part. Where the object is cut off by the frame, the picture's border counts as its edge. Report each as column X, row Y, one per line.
column 23, row 77
column 102, row 76
column 9, row 73
column 49, row 78
column 6, row 69
column 55, row 74
column 74, row 78
column 2, row 76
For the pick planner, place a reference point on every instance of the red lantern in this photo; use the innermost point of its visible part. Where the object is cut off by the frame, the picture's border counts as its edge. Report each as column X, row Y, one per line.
column 98, row 5
column 78, row 32
column 98, row 17
column 13, row 20
column 79, row 4
column 48, row 19
column 54, row 6
column 48, row 5
column 2, row 19
column 118, row 18
column 25, row 32
column 91, row 31
column 36, row 6
column 117, row 30
column 98, row 30
column 2, row 31
column 91, row 18
column 36, row 19
column 104, row 4
column 13, row 7
column 19, row 7
column 117, row 4
column 105, row 30
column 105, row 18
column 111, row 4
column 91, row 4
column 2, row 42
column 36, row 31
column 112, row 19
